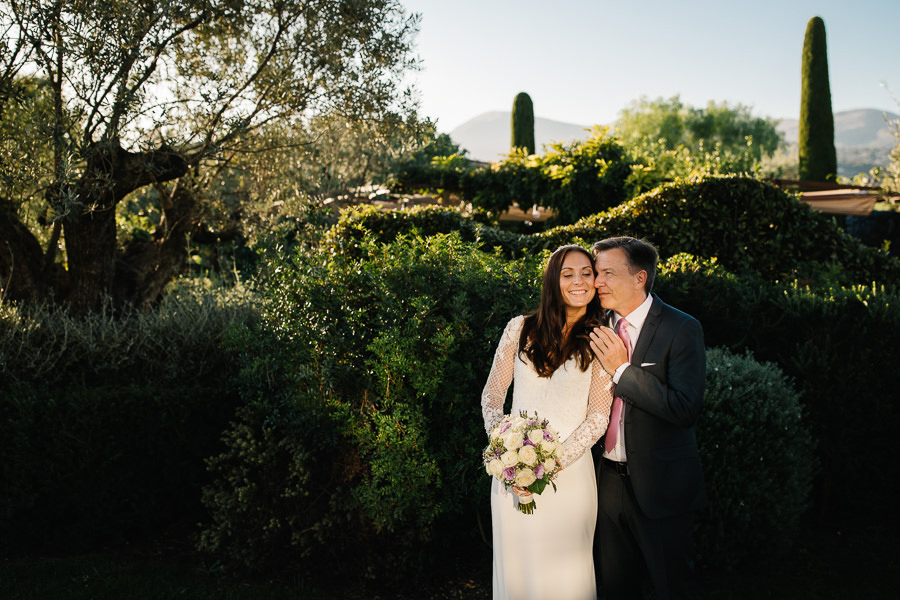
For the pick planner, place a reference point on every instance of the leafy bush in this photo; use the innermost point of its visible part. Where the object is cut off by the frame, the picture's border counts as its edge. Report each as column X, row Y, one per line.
column 747, row 225
column 356, row 224
column 106, row 419
column 575, row 179
column 757, row 458
column 277, row 489
column 387, row 347
column 837, row 344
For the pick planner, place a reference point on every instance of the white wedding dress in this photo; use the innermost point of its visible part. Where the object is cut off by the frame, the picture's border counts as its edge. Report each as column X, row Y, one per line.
column 547, row 555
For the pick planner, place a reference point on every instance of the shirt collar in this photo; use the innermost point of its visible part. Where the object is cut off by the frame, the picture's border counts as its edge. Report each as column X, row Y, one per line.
column 636, row 317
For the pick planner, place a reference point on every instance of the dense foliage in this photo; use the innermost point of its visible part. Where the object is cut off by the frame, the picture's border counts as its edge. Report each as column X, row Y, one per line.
column 106, row 419
column 356, row 430
column 749, row 226
column 818, row 157
column 572, row 179
column 757, row 458
column 363, row 427
column 669, row 139
column 836, row 344
column 674, row 124
column 343, row 426
column 141, row 95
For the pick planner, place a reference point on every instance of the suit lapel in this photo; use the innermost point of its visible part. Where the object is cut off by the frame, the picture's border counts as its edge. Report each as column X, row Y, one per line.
column 647, row 331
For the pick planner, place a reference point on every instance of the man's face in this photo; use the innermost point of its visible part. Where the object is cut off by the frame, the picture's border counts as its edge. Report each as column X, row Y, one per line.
column 617, row 288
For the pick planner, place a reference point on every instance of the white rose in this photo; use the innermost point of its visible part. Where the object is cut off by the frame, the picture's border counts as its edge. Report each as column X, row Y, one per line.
column 509, row 459
column 525, row 477
column 536, row 436
column 514, row 440
column 549, row 446
column 549, row 465
column 527, row 455
column 495, row 468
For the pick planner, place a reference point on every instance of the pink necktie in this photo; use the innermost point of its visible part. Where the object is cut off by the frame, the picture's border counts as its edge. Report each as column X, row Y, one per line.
column 612, row 432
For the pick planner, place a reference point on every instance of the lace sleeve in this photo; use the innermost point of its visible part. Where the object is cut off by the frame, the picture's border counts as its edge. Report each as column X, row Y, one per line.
column 494, row 394
column 594, row 425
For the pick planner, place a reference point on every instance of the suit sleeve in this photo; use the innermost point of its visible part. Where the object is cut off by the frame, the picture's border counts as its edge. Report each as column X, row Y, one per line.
column 677, row 396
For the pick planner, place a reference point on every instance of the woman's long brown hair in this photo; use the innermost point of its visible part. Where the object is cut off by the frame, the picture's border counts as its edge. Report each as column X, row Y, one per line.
column 542, row 340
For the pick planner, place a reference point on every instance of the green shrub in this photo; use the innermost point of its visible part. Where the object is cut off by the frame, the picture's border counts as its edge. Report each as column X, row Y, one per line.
column 837, row 345
column 748, row 226
column 171, row 343
column 575, row 179
column 106, row 420
column 355, row 224
column 388, row 347
column 276, row 491
column 758, row 461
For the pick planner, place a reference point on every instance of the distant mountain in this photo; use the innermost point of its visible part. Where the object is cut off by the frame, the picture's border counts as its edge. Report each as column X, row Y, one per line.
column 862, row 137
column 488, row 135
column 865, row 127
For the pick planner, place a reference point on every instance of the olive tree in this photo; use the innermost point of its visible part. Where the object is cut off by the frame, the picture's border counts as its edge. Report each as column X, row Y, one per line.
column 168, row 94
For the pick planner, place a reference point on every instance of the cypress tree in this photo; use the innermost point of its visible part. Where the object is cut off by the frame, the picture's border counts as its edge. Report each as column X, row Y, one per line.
column 818, row 159
column 523, row 123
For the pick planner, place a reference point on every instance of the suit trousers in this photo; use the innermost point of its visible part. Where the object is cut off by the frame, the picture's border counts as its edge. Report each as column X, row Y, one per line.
column 633, row 547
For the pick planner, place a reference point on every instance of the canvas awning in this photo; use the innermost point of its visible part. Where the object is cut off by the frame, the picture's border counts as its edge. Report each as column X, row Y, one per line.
column 841, row 202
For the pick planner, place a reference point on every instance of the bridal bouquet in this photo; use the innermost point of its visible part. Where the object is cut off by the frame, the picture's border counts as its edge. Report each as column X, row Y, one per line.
column 522, row 452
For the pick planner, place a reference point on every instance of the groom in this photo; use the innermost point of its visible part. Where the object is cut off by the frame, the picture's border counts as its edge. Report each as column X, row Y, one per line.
column 649, row 478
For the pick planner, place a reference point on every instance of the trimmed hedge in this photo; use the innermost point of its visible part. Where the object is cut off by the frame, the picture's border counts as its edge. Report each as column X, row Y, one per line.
column 838, row 344
column 106, row 420
column 747, row 225
column 758, row 461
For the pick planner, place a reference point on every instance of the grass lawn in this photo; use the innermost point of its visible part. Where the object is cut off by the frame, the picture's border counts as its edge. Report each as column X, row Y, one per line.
column 861, row 564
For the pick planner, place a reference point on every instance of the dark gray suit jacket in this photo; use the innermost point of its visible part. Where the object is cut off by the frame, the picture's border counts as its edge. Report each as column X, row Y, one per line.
column 663, row 395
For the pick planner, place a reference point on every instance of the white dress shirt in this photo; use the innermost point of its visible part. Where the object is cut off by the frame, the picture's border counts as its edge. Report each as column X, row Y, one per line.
column 636, row 320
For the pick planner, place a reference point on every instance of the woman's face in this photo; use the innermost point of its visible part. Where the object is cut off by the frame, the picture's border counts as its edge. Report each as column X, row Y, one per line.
column 576, row 281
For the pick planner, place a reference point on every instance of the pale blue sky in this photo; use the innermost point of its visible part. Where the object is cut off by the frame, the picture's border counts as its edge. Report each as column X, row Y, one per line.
column 583, row 61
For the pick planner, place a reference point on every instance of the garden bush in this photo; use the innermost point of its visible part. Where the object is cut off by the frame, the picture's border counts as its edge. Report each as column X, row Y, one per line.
column 747, row 225
column 575, row 179
column 838, row 345
column 750, row 227
column 387, row 347
column 758, row 462
column 357, row 223
column 106, row 419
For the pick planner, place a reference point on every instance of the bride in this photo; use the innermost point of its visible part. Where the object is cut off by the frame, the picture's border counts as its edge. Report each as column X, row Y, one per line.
column 548, row 554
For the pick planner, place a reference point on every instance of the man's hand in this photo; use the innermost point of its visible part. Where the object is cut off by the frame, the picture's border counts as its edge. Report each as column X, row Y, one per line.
column 608, row 348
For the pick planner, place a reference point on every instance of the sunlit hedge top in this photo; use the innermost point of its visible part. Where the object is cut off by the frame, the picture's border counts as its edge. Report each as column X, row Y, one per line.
column 749, row 225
